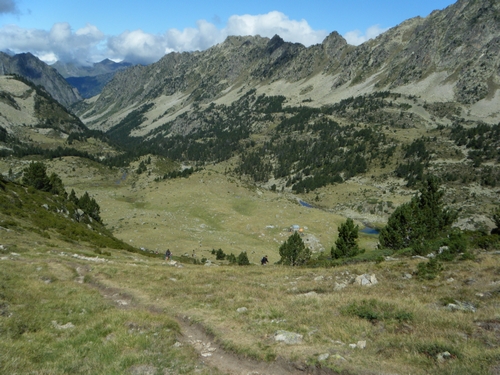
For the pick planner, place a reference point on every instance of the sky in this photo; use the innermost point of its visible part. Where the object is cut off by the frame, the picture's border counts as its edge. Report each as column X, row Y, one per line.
column 141, row 32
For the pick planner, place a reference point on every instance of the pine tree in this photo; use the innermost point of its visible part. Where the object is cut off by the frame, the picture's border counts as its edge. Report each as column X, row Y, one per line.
column 293, row 252
column 90, row 206
column 57, row 186
column 36, row 175
column 243, row 259
column 495, row 216
column 346, row 245
column 73, row 198
column 419, row 221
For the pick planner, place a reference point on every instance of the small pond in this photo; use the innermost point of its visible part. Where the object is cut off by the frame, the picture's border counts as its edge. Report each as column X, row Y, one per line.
column 368, row 230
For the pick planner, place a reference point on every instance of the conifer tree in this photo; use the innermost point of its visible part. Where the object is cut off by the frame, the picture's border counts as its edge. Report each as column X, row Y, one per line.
column 243, row 259
column 90, row 206
column 293, row 252
column 57, row 186
column 36, row 175
column 423, row 219
column 346, row 245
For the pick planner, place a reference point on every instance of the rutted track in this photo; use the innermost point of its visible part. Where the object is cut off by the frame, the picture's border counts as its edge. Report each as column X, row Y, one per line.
column 211, row 354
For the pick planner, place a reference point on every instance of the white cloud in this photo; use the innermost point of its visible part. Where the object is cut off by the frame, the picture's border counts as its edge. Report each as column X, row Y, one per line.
column 60, row 42
column 90, row 44
column 8, row 6
column 274, row 23
column 136, row 46
column 356, row 37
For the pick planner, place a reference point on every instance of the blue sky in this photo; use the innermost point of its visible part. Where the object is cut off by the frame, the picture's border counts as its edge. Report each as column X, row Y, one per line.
column 143, row 31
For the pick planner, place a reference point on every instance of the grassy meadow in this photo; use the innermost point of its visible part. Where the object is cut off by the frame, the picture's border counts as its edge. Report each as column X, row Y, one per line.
column 76, row 306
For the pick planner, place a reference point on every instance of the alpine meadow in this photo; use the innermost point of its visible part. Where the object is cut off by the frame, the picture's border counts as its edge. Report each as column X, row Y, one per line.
column 367, row 176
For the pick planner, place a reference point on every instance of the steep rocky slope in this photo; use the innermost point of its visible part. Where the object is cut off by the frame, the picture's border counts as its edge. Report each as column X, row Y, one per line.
column 30, row 67
column 451, row 55
column 89, row 80
column 22, row 105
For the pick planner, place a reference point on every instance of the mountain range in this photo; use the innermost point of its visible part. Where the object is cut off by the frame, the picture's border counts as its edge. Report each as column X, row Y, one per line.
column 90, row 79
column 421, row 98
column 450, row 56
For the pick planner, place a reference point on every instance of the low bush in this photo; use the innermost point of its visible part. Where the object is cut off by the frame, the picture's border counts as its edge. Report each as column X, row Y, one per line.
column 374, row 310
column 429, row 270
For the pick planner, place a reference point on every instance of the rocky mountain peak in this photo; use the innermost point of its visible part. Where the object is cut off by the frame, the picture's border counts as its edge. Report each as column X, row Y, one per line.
column 275, row 43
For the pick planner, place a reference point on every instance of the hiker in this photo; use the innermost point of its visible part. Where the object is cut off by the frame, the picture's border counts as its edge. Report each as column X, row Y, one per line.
column 264, row 260
column 168, row 254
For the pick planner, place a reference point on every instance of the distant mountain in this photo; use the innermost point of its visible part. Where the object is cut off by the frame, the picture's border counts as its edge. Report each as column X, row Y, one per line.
column 104, row 67
column 89, row 80
column 24, row 106
column 35, row 70
column 452, row 55
column 33, row 123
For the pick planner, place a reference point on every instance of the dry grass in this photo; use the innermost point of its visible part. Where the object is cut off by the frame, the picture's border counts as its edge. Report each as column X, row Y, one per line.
column 211, row 210
column 277, row 298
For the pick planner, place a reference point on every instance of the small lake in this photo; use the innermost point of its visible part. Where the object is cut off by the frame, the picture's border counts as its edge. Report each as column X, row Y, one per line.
column 368, row 230
column 365, row 230
column 305, row 204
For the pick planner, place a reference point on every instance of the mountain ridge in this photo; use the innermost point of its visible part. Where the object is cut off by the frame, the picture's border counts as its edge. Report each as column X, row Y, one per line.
column 32, row 68
column 456, row 48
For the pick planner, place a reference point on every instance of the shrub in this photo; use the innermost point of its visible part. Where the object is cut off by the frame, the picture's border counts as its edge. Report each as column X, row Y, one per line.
column 373, row 310
column 429, row 270
column 433, row 349
column 243, row 259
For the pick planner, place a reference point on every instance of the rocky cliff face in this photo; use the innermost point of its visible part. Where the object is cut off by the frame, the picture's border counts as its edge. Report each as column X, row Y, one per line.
column 30, row 67
column 457, row 48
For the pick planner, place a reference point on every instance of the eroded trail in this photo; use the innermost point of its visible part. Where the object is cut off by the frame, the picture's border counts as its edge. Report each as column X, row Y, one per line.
column 214, row 356
column 211, row 354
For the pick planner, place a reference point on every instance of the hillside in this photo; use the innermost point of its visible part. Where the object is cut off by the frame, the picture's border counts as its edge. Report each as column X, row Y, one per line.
column 99, row 304
column 227, row 155
column 33, row 123
column 90, row 80
column 450, row 56
column 36, row 71
column 422, row 98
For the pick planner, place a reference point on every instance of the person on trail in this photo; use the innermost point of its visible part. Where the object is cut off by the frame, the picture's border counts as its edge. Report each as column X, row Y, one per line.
column 168, row 254
column 264, row 260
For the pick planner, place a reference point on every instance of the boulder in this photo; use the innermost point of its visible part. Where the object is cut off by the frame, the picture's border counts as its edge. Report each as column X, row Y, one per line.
column 287, row 337
column 366, row 280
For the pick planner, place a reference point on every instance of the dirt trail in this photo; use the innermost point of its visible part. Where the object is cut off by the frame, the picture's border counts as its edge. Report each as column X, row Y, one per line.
column 211, row 354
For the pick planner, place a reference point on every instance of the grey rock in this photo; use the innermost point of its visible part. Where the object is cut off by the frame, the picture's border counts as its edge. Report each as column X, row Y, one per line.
column 323, row 357
column 310, row 294
column 339, row 286
column 63, row 326
column 366, row 280
column 287, row 337
column 441, row 357
column 461, row 306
